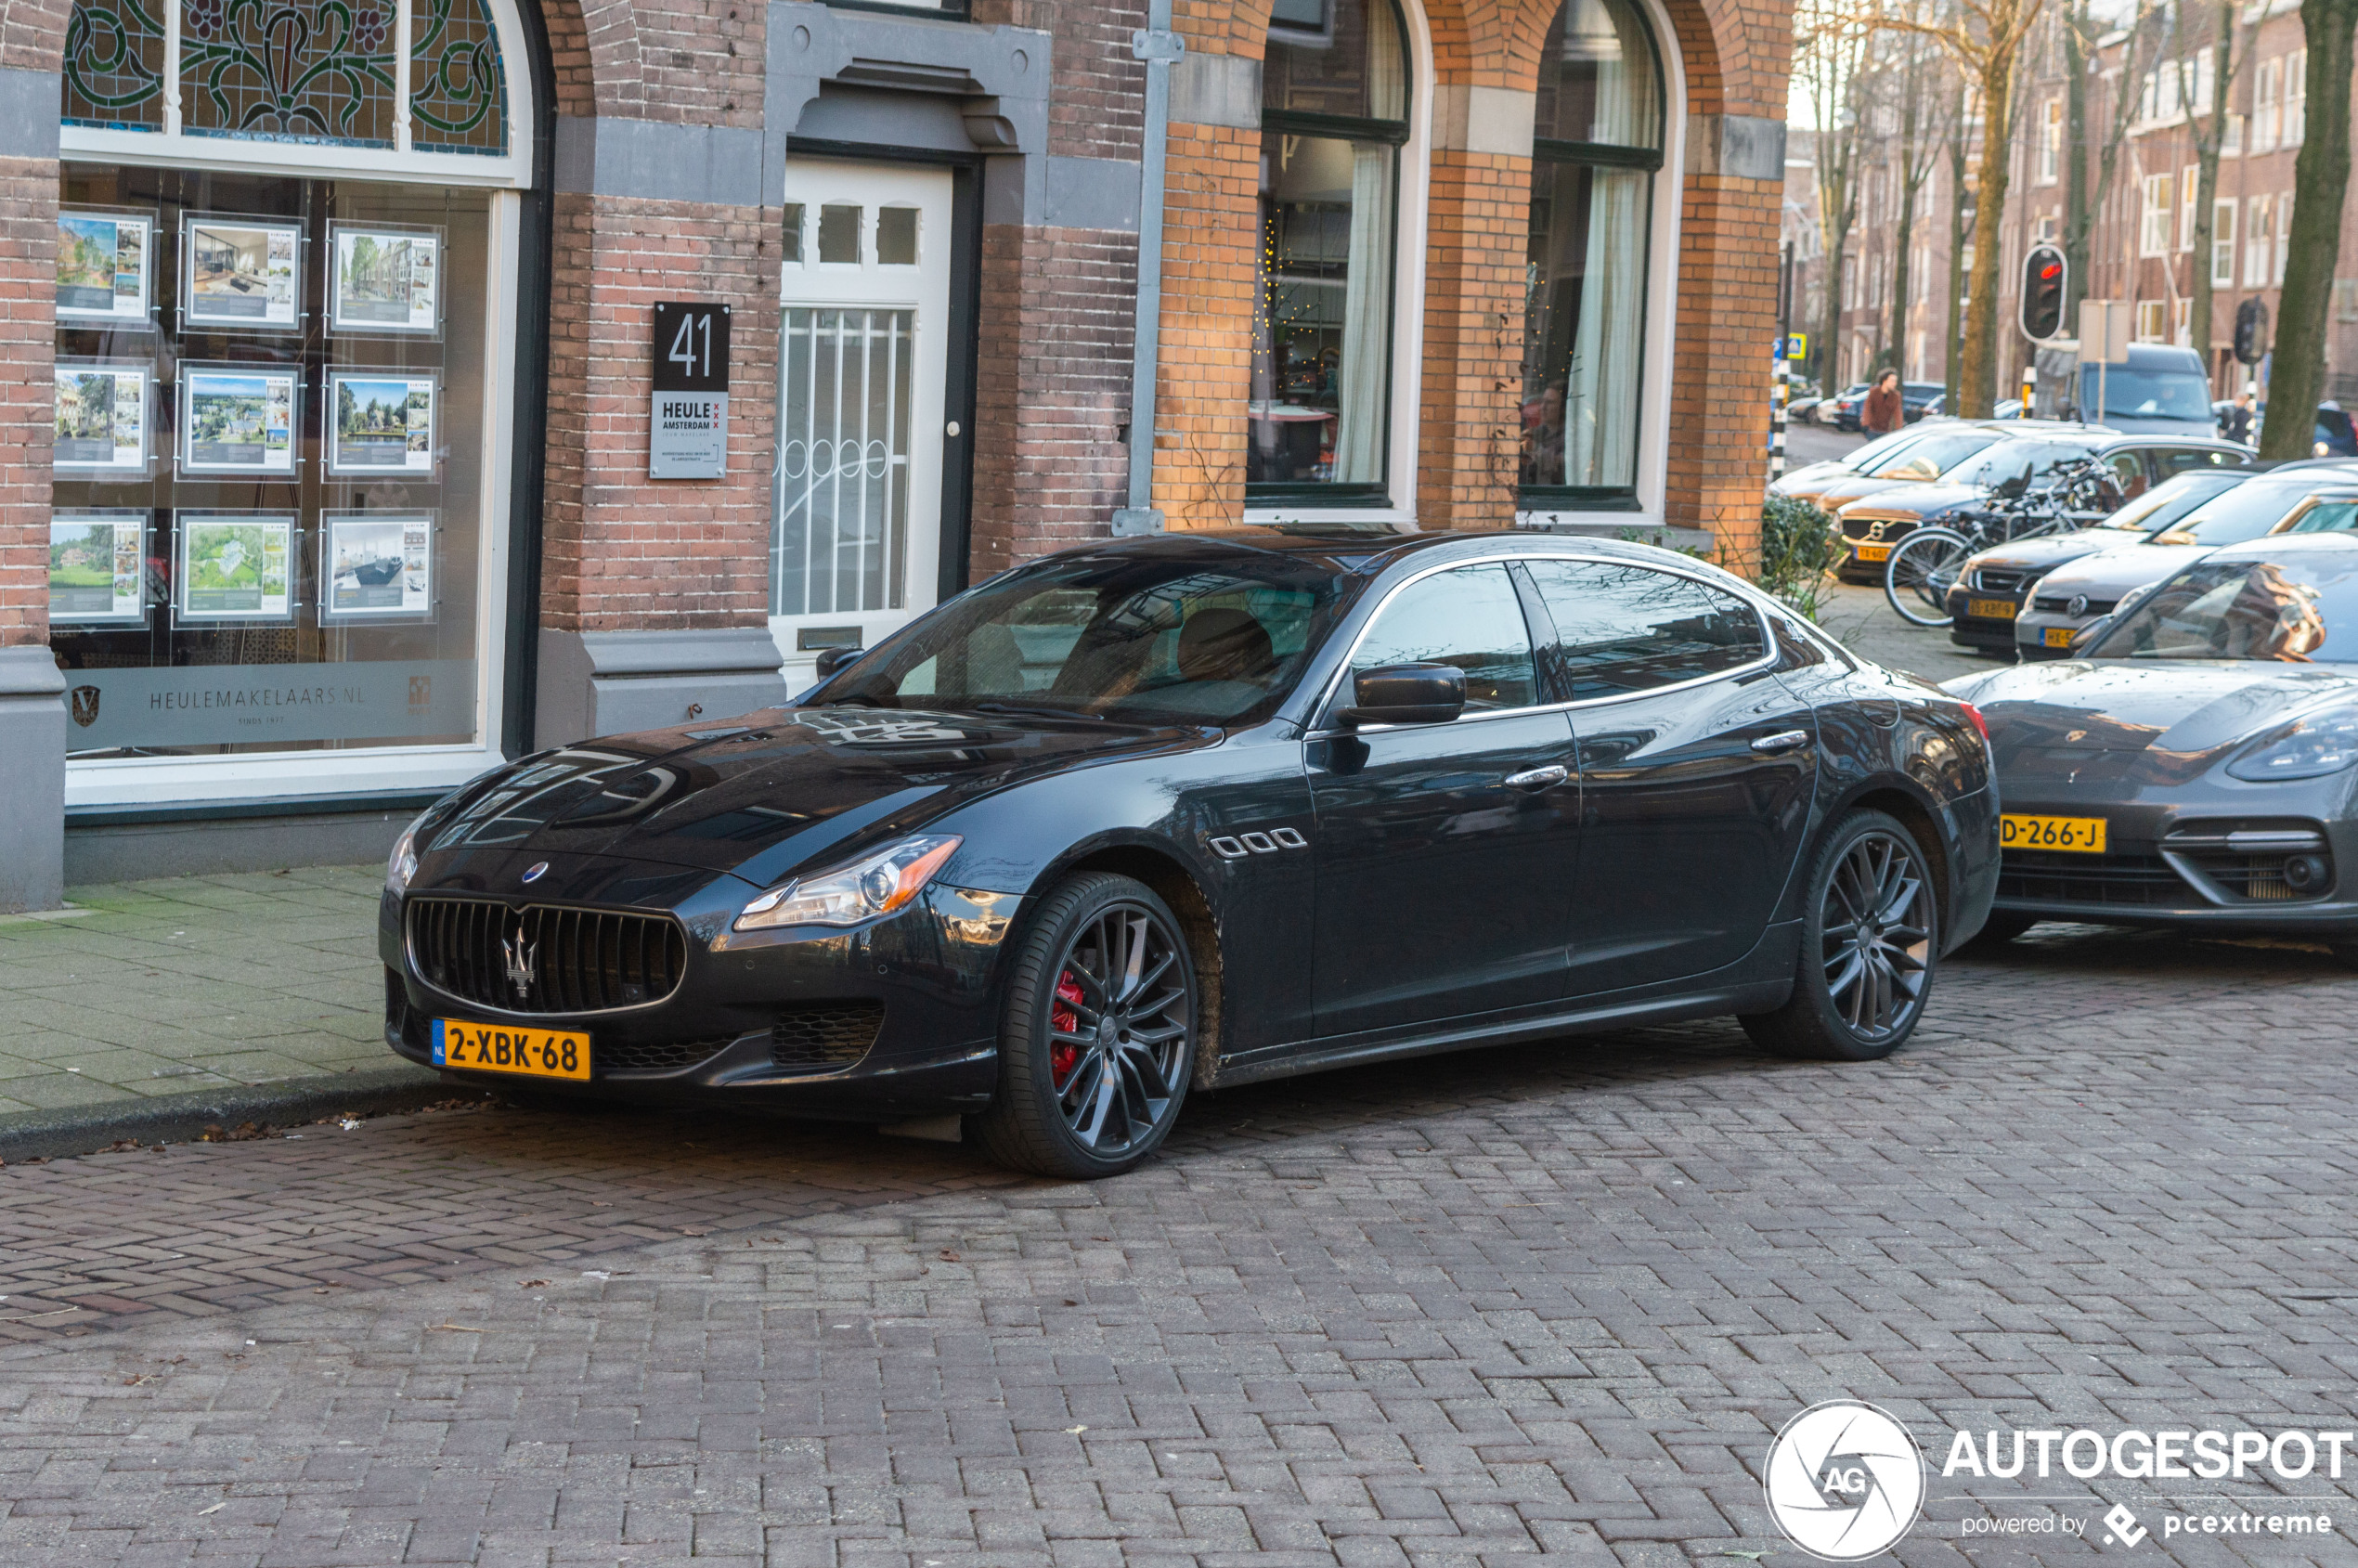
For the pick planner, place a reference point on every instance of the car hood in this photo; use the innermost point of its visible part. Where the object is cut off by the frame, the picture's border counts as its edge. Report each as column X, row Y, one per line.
column 759, row 795
column 2106, row 575
column 1918, row 501
column 2090, row 721
column 2047, row 553
column 1853, row 486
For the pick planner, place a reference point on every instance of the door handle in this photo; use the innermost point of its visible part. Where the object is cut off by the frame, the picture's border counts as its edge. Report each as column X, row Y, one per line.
column 1783, row 740
column 1538, row 778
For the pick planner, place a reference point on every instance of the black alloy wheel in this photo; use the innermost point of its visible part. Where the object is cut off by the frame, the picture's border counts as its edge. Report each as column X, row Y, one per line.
column 1869, row 942
column 1099, row 1038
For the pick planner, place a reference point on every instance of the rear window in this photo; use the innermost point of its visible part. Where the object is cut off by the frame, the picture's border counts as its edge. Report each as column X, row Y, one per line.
column 2147, row 394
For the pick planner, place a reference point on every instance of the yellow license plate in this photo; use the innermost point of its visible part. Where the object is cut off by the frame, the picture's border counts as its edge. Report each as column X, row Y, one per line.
column 1990, row 609
column 2059, row 636
column 534, row 1053
column 2081, row 834
column 1871, row 551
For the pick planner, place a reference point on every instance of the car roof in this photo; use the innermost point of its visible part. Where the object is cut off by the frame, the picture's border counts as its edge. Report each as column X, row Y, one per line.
column 1366, row 549
column 2292, row 545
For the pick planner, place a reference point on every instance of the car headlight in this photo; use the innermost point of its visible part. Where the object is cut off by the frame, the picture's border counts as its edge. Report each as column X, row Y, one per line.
column 850, row 894
column 402, row 864
column 2309, row 747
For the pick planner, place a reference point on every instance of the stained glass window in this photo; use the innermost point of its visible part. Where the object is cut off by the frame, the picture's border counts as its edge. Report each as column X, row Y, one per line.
column 458, row 90
column 283, row 72
column 114, row 66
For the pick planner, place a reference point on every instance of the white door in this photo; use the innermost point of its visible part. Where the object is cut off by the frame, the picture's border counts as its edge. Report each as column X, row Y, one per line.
column 856, row 534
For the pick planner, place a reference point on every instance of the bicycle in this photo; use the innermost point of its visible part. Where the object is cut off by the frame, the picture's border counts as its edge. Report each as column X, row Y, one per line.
column 1928, row 563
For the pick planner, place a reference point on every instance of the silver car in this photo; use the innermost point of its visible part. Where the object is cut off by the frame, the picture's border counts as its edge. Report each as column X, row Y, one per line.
column 2199, row 768
column 2306, row 495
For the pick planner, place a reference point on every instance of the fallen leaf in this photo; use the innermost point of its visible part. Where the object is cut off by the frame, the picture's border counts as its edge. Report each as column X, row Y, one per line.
column 947, row 1256
column 530, row 1283
column 454, row 1328
column 1075, row 1432
column 215, row 1508
column 692, row 1230
column 600, row 1203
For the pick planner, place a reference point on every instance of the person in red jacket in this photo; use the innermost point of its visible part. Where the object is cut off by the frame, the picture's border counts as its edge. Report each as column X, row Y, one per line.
column 1882, row 411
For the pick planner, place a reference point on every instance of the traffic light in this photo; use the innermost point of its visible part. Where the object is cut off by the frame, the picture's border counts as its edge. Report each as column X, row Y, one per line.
column 2043, row 293
column 2251, row 331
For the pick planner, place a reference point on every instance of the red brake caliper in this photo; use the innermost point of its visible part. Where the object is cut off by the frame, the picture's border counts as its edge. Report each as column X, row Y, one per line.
column 1064, row 1054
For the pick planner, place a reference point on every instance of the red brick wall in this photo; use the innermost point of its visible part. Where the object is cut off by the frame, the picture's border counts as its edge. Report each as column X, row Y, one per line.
column 621, row 552
column 28, row 289
column 1470, row 430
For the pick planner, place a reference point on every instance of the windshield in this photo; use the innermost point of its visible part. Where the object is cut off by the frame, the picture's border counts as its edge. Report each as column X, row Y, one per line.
column 2016, row 460
column 1932, row 457
column 2169, row 501
column 2148, row 395
column 2245, row 513
column 1209, row 637
column 2245, row 609
column 1862, row 459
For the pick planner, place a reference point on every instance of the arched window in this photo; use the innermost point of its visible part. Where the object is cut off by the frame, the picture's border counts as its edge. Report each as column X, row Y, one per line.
column 288, row 262
column 1334, row 115
column 1597, row 149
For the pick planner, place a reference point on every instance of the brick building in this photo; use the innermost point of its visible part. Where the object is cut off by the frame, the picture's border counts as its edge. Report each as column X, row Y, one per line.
column 345, row 457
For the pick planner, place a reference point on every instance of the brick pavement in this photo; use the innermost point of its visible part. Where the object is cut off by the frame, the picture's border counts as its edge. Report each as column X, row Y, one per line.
column 1548, row 1300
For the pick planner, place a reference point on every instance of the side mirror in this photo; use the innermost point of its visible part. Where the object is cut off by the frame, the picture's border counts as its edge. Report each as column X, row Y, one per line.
column 2085, row 637
column 833, row 659
column 1405, row 694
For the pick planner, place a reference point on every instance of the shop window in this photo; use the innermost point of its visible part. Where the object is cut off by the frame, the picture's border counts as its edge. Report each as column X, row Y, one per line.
column 1594, row 164
column 1334, row 117
column 277, row 406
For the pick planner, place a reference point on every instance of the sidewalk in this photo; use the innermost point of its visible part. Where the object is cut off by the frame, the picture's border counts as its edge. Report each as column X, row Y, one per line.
column 238, row 991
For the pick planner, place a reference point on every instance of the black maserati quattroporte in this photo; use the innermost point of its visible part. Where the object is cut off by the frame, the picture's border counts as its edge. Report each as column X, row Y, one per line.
column 1203, row 809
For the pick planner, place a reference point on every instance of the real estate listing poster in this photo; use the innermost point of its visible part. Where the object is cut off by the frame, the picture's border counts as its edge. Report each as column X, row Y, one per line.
column 376, row 566
column 379, row 422
column 384, row 281
column 235, row 566
column 106, row 265
column 236, row 420
column 103, row 410
column 241, row 274
column 95, row 567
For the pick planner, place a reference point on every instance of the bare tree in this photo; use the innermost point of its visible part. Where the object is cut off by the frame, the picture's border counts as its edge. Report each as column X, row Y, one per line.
column 1829, row 56
column 1987, row 39
column 2087, row 191
column 2219, row 26
column 2320, row 182
column 1961, row 226
column 1923, row 132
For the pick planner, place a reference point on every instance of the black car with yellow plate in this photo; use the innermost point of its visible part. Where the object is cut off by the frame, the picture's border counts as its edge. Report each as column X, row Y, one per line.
column 2198, row 766
column 1198, row 810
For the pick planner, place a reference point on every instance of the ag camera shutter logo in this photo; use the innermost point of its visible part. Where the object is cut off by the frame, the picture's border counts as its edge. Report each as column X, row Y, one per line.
column 1844, row 1481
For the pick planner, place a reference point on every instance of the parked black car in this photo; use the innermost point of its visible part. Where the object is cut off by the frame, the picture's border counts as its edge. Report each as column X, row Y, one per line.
column 1204, row 809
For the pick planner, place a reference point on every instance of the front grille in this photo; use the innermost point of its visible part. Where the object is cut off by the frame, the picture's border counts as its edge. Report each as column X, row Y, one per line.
column 2060, row 604
column 1873, row 528
column 1994, row 579
column 824, row 1035
column 2055, row 876
column 649, row 1059
column 569, row 960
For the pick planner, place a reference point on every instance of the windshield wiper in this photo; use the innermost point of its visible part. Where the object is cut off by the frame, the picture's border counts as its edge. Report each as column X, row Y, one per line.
column 1028, row 709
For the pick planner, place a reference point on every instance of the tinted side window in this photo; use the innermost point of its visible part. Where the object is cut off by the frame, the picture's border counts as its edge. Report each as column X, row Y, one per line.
column 1630, row 628
column 1468, row 617
column 2178, row 460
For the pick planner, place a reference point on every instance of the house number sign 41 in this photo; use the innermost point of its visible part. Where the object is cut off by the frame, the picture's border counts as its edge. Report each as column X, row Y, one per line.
column 688, row 428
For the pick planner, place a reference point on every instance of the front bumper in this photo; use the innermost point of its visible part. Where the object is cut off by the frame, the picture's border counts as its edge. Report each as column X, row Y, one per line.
column 2175, row 864
column 893, row 1019
column 1870, row 535
column 2047, row 633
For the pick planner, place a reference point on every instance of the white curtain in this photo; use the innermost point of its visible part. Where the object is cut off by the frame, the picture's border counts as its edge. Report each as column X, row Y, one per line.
column 1366, row 319
column 1600, row 438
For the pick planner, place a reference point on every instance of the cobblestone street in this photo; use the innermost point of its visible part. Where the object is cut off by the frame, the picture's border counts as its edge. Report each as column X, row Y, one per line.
column 1552, row 1299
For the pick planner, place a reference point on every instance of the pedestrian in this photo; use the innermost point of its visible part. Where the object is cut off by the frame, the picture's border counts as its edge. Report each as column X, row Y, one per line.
column 1882, row 412
column 2239, row 417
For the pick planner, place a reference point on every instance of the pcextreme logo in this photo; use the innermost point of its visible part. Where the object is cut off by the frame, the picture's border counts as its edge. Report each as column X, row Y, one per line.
column 1844, row 1481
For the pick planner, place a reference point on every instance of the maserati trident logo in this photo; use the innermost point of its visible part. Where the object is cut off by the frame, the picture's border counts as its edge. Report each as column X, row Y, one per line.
column 1844, row 1481
column 519, row 954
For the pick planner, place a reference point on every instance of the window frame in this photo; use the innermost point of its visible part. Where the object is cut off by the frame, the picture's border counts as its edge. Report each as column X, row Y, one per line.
column 1550, row 153
column 517, row 243
column 1322, row 710
column 1322, row 496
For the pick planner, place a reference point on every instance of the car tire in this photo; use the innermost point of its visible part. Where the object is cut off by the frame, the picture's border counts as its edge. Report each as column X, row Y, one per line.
column 1075, row 1098
column 2002, row 926
column 1847, row 1005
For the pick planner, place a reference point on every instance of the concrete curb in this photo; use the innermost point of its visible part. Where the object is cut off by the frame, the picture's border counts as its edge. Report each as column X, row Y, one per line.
column 28, row 1135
